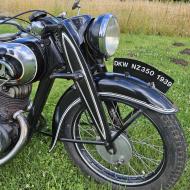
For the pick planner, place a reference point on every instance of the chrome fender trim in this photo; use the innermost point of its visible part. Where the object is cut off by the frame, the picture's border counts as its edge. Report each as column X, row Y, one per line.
column 141, row 103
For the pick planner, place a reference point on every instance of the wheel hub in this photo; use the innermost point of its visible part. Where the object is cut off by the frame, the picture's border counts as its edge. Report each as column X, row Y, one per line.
column 123, row 151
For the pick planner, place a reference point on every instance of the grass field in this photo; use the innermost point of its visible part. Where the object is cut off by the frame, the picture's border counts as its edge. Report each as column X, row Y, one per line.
column 35, row 168
column 135, row 16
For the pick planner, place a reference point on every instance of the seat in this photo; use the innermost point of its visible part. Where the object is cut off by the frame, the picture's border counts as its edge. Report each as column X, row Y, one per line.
column 7, row 37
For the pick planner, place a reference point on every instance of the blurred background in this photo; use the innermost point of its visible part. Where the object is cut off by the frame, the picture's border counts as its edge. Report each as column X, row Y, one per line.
column 135, row 16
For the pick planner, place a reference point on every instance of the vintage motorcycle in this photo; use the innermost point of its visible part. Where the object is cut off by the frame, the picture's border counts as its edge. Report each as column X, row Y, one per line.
column 118, row 127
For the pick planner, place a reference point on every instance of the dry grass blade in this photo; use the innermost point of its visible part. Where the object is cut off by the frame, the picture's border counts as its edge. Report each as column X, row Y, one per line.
column 139, row 16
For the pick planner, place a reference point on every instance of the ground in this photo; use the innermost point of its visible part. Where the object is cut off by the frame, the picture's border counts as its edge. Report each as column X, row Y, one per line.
column 35, row 168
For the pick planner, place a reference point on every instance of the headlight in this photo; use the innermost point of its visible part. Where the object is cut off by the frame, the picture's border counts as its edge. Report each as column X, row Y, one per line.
column 103, row 35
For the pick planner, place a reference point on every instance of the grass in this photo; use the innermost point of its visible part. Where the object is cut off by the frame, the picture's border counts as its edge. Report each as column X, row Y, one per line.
column 139, row 16
column 34, row 168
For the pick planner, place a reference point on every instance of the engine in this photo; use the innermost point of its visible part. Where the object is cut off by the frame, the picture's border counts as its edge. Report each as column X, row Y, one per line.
column 18, row 64
column 18, row 70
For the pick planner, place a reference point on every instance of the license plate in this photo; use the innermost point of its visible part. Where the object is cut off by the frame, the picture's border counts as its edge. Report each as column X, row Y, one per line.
column 144, row 72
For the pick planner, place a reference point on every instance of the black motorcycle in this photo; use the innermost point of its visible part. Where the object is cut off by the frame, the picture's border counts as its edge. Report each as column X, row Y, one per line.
column 118, row 127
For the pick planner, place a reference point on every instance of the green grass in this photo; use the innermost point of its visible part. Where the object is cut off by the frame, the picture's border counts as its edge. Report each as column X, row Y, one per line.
column 7, row 28
column 35, row 168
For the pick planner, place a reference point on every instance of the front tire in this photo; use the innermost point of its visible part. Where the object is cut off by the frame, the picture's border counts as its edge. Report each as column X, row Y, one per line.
column 170, row 137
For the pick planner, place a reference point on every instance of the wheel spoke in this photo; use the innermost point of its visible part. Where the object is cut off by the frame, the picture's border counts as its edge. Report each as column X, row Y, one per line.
column 88, row 119
column 149, row 159
column 147, row 167
column 87, row 132
column 117, row 111
column 131, row 119
column 133, row 170
column 90, row 124
column 150, row 137
column 155, row 147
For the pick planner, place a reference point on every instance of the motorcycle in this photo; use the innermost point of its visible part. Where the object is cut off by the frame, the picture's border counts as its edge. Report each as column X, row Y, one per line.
column 118, row 127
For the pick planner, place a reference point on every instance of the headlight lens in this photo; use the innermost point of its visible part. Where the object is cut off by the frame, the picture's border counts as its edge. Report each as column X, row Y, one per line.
column 104, row 34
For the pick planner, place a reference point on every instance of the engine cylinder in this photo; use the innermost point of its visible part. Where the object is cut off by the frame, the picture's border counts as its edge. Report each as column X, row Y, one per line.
column 12, row 99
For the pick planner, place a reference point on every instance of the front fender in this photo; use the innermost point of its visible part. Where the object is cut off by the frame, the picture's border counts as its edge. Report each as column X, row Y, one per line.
column 135, row 91
column 129, row 89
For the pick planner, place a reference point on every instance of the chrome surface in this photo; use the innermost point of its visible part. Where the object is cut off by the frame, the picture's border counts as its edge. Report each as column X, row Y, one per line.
column 61, row 121
column 37, row 27
column 8, row 22
column 25, row 56
column 7, row 36
column 123, row 151
column 141, row 103
column 63, row 14
column 111, row 172
column 21, row 91
column 4, row 66
column 102, row 33
column 22, row 139
column 29, row 107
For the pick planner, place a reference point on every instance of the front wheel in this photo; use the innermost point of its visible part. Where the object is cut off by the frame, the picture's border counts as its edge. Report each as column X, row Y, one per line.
column 150, row 153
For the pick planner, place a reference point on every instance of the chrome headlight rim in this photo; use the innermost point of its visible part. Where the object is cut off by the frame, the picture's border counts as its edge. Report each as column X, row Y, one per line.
column 98, row 34
column 102, row 33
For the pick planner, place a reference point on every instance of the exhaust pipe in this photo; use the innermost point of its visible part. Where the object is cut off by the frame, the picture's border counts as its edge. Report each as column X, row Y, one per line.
column 24, row 128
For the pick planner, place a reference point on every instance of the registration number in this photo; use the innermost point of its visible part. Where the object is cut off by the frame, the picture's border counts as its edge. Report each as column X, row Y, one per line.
column 144, row 72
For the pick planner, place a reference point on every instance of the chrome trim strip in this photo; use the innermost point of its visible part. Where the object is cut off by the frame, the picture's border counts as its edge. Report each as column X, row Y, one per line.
column 149, row 106
column 61, row 121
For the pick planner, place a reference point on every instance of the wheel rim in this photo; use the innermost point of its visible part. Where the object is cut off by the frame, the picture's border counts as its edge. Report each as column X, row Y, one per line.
column 148, row 150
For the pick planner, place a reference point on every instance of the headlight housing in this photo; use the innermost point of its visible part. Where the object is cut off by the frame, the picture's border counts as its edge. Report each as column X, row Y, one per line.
column 103, row 34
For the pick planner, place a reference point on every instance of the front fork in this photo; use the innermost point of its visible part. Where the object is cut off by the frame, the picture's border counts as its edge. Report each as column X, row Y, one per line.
column 86, row 86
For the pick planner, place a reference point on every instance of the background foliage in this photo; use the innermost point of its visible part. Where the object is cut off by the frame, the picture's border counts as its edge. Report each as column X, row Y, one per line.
column 135, row 16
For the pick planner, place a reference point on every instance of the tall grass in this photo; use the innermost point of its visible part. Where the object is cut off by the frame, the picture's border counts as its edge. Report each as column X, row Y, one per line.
column 135, row 16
